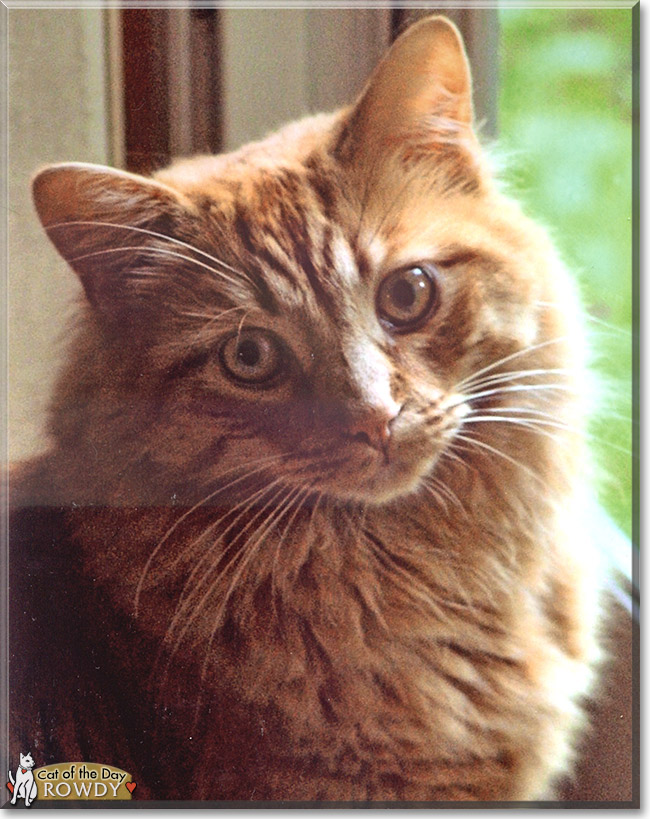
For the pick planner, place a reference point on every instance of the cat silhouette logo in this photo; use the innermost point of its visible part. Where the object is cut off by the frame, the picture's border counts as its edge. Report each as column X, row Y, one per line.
column 24, row 785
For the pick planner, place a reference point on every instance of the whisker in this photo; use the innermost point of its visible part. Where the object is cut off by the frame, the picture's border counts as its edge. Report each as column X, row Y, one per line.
column 241, row 324
column 245, row 505
column 186, row 599
column 519, row 422
column 541, row 421
column 261, row 464
column 187, row 602
column 449, row 493
column 510, row 357
column 517, row 388
column 589, row 317
column 251, row 548
column 210, row 317
column 373, row 605
column 449, row 453
column 205, row 596
column 437, row 495
column 408, row 581
column 530, row 410
column 253, row 544
column 153, row 233
column 511, row 376
column 518, row 464
column 300, row 501
column 163, row 252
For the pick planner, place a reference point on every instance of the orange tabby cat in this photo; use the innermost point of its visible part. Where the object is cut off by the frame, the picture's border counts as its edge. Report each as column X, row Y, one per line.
column 310, row 525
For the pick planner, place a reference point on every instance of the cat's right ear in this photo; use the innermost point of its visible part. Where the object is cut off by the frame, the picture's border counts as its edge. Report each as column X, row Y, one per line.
column 102, row 220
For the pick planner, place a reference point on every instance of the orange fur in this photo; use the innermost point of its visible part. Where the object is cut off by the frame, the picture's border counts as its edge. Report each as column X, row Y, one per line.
column 327, row 623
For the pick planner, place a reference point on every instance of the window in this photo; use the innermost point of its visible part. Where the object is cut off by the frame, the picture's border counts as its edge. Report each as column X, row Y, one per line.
column 566, row 128
column 143, row 85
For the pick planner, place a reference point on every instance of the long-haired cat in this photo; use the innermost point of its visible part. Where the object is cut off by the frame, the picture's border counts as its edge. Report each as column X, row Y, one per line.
column 310, row 526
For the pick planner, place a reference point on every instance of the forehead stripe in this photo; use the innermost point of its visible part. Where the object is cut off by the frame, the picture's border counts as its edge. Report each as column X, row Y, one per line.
column 302, row 252
column 324, row 191
column 363, row 263
column 326, row 252
column 257, row 252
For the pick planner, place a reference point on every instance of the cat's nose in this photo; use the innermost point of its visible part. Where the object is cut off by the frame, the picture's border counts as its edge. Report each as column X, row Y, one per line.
column 373, row 428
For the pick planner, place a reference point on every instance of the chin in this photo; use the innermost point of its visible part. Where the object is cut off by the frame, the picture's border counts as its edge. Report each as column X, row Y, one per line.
column 386, row 483
column 399, row 481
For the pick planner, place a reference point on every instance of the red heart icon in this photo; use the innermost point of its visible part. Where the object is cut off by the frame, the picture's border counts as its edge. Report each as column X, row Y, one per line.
column 131, row 786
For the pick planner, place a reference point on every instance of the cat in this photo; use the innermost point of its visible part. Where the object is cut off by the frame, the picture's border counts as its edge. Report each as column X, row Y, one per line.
column 307, row 529
column 24, row 783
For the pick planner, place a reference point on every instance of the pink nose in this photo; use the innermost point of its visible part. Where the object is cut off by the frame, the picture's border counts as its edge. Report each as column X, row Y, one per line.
column 372, row 428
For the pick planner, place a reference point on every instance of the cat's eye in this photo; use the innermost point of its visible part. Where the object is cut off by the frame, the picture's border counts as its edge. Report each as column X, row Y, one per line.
column 407, row 297
column 253, row 356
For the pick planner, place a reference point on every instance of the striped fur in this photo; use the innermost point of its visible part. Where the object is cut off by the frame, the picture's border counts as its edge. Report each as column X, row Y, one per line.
column 330, row 621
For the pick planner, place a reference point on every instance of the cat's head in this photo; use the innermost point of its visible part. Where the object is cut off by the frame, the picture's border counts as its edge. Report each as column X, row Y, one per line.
column 26, row 761
column 308, row 308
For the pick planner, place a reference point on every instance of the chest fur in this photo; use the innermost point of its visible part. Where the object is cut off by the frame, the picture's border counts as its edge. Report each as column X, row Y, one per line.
column 358, row 641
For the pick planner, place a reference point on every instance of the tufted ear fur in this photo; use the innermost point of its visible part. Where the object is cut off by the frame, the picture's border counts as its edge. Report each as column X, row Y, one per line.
column 103, row 222
column 418, row 99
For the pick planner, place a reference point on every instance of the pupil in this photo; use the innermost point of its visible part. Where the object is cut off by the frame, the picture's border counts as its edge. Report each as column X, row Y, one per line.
column 403, row 294
column 248, row 353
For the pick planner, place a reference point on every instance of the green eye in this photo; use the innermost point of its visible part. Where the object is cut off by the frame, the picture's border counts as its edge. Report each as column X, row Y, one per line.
column 407, row 297
column 252, row 356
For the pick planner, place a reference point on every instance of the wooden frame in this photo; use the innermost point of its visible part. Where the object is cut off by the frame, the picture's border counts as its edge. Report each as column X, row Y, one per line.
column 204, row 80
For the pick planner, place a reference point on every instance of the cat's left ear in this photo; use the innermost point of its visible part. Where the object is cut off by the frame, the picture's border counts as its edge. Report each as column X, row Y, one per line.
column 419, row 96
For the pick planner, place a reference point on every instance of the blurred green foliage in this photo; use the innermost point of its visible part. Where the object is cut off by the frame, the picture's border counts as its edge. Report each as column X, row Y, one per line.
column 565, row 121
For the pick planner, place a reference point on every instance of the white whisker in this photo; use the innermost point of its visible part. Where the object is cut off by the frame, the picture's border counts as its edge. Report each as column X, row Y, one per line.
column 163, row 252
column 449, row 453
column 300, row 501
column 523, row 423
column 537, row 417
column 261, row 464
column 613, row 328
column 518, row 464
column 253, row 544
column 250, row 548
column 408, row 581
column 187, row 601
column 510, row 357
column 153, row 233
column 511, row 376
column 449, row 493
column 436, row 495
column 244, row 505
column 210, row 317
column 516, row 388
